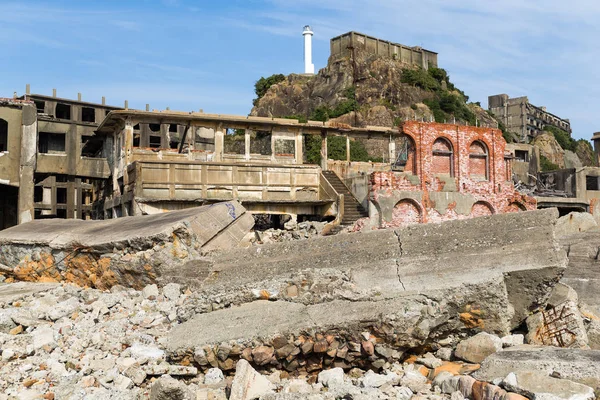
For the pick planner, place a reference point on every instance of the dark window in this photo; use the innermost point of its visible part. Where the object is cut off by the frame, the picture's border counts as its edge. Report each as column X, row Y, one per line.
column 522, row 155
column 3, row 135
column 88, row 114
column 61, row 195
column 173, row 128
column 136, row 127
column 155, row 142
column 154, row 127
column 63, row 111
column 40, row 106
column 52, row 142
column 136, row 140
column 38, row 194
column 591, row 182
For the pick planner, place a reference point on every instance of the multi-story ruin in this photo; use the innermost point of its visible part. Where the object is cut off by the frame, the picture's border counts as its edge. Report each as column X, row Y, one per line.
column 47, row 163
column 344, row 46
column 523, row 118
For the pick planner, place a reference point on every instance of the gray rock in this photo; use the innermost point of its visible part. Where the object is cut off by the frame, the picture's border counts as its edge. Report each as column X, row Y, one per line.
column 6, row 321
column 513, row 340
column 404, row 393
column 247, row 383
column 373, row 380
column 444, row 353
column 172, row 291
column 150, row 292
column 415, row 381
column 475, row 349
column 213, row 376
column 331, row 377
column 43, row 336
column 167, row 388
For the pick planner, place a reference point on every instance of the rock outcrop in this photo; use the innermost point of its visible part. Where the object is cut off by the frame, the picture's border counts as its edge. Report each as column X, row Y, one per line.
column 376, row 82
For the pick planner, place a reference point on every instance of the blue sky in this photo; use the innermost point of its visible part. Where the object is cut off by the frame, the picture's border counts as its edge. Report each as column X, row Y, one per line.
column 191, row 55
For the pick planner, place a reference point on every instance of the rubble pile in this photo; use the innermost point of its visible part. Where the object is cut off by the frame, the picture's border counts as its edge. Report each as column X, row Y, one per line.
column 66, row 342
column 346, row 316
column 293, row 231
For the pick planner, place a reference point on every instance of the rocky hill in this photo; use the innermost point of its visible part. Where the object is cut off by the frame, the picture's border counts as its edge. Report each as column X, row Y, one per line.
column 368, row 90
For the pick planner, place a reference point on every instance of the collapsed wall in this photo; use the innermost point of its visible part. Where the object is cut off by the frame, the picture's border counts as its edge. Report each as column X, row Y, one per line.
column 130, row 251
column 367, row 299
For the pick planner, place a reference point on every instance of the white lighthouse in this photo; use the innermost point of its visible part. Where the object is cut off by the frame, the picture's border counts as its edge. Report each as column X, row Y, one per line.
column 309, row 67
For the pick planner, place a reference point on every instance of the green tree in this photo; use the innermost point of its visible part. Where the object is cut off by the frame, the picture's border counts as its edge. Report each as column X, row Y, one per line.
column 263, row 84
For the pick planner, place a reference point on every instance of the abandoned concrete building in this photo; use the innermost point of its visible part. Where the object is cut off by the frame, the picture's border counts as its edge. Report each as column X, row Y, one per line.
column 46, row 167
column 446, row 172
column 523, row 118
column 344, row 46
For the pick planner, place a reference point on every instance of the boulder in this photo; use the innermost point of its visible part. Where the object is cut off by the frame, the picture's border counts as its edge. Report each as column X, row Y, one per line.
column 475, row 349
column 248, row 384
column 331, row 377
column 167, row 388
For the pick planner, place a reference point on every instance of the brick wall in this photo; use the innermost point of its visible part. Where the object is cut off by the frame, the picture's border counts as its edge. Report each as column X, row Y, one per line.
column 463, row 163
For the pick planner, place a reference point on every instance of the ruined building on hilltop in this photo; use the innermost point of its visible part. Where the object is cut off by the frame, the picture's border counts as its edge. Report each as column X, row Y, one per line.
column 523, row 118
column 345, row 45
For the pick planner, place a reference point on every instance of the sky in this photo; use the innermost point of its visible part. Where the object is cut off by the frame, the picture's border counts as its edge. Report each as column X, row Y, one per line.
column 190, row 55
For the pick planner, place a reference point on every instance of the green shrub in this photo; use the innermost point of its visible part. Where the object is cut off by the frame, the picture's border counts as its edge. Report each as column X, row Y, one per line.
column 564, row 140
column 263, row 84
column 420, row 78
column 336, row 149
column 546, row 164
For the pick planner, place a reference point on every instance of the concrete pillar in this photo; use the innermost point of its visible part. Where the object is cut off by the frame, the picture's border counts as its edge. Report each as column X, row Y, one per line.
column 128, row 142
column 27, row 164
column 299, row 147
column 219, row 143
column 347, row 148
column 392, row 150
column 247, row 133
column 324, row 150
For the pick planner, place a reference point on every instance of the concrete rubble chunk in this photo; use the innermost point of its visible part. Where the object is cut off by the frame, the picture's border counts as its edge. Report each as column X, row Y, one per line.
column 546, row 327
column 331, row 377
column 538, row 385
column 130, row 251
column 574, row 223
column 475, row 349
column 167, row 388
column 577, row 365
column 248, row 384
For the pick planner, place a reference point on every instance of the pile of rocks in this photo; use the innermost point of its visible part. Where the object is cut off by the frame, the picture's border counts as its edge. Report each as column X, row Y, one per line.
column 66, row 342
column 293, row 231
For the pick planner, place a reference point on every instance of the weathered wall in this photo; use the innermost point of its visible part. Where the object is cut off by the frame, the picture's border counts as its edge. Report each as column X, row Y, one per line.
column 446, row 179
column 9, row 160
column 341, row 46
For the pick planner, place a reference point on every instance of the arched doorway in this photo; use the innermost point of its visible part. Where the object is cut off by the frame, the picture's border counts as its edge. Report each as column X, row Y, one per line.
column 406, row 212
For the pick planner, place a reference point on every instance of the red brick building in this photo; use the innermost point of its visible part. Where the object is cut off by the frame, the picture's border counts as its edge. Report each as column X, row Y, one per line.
column 445, row 172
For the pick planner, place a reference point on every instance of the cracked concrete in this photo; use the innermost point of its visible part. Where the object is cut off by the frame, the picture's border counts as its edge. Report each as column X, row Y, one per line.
column 480, row 274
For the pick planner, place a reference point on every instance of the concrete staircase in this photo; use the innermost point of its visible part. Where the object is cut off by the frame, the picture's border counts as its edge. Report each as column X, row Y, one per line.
column 353, row 210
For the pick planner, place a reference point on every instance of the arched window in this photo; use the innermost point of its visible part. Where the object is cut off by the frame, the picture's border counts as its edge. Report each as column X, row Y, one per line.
column 478, row 161
column 3, row 135
column 443, row 157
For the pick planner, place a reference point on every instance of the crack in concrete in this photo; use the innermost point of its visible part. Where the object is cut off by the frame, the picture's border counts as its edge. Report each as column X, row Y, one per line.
column 398, row 261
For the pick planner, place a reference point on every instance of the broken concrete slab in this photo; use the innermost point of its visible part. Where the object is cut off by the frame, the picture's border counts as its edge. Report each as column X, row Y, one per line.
column 15, row 291
column 583, row 273
column 407, row 287
column 131, row 251
column 575, row 222
column 582, row 366
column 538, row 385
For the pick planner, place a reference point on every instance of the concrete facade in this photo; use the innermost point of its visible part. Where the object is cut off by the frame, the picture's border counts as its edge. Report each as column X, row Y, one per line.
column 525, row 162
column 47, row 158
column 523, row 118
column 344, row 45
column 573, row 189
column 449, row 172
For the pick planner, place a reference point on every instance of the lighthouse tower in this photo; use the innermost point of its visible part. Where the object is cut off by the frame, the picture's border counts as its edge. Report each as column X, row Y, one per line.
column 309, row 67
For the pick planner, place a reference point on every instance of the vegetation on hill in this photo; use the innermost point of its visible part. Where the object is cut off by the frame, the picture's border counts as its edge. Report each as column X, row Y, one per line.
column 263, row 84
